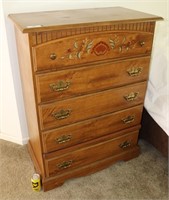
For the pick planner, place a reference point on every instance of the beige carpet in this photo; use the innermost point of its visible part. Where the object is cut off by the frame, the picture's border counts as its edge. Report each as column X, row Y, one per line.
column 145, row 177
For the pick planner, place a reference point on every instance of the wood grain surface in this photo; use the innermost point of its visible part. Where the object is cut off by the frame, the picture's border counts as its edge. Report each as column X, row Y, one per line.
column 49, row 20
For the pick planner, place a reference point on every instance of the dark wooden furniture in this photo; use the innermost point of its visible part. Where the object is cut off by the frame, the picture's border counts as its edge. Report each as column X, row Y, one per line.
column 153, row 133
column 84, row 75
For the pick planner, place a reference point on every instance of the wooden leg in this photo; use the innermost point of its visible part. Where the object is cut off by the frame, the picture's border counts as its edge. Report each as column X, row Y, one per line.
column 51, row 185
column 56, row 181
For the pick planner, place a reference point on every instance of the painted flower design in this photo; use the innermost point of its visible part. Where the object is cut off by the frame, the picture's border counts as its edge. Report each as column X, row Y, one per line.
column 79, row 49
column 100, row 48
column 125, row 46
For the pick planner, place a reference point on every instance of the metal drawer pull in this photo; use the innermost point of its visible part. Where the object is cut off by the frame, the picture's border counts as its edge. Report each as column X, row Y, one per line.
column 62, row 114
column 53, row 56
column 125, row 144
column 63, row 139
column 142, row 43
column 134, row 71
column 65, row 164
column 132, row 96
column 128, row 119
column 60, row 86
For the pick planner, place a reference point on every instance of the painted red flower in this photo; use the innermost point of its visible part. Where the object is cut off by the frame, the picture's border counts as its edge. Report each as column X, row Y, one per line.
column 69, row 50
column 100, row 48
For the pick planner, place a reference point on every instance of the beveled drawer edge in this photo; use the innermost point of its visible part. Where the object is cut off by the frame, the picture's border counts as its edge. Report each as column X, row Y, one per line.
column 97, row 63
column 120, row 111
column 113, row 60
column 68, row 162
column 52, row 182
column 134, row 95
column 51, row 137
column 88, row 144
column 90, row 94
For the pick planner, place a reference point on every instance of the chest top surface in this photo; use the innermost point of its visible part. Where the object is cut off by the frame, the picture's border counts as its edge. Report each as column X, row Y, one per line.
column 49, row 20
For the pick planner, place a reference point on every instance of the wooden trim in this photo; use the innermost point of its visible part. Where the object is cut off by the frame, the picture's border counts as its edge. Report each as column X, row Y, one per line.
column 25, row 65
column 33, row 158
column 111, row 136
column 67, row 19
column 43, row 37
column 52, row 183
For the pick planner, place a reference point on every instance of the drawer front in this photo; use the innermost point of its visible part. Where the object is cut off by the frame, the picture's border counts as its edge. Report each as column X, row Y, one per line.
column 74, row 82
column 90, row 154
column 90, row 129
column 88, row 106
column 90, row 47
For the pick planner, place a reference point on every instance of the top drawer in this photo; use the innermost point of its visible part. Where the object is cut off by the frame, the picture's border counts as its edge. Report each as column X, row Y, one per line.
column 91, row 47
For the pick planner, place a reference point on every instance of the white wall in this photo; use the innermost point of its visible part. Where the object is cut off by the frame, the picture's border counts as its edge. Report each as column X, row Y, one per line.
column 12, row 121
column 13, row 125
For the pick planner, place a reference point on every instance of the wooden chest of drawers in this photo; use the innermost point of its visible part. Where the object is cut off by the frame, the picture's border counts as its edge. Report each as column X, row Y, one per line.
column 84, row 75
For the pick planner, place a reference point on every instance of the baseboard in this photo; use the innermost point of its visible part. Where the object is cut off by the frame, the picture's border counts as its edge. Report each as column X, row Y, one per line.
column 9, row 138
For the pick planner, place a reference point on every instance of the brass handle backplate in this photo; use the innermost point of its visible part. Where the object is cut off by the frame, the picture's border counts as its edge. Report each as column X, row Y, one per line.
column 125, row 144
column 134, row 71
column 62, row 114
column 60, row 86
column 53, row 56
column 142, row 43
column 128, row 119
column 132, row 96
column 63, row 139
column 65, row 164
